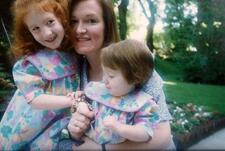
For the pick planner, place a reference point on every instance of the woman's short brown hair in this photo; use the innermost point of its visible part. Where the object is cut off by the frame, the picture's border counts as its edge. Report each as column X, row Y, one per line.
column 111, row 32
column 132, row 58
column 23, row 41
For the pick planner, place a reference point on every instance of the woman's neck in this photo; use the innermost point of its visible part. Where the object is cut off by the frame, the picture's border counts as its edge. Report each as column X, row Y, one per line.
column 95, row 68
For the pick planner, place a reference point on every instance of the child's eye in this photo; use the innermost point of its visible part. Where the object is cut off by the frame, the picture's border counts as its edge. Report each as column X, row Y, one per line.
column 50, row 22
column 111, row 76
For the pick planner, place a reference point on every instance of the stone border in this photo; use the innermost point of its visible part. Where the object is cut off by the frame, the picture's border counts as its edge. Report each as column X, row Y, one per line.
column 183, row 141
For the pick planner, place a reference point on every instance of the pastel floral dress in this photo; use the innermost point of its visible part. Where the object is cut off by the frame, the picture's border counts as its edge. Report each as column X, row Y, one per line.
column 45, row 72
column 136, row 108
column 153, row 87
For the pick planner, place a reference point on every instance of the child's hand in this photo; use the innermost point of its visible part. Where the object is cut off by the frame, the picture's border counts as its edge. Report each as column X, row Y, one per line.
column 154, row 107
column 111, row 123
column 82, row 107
column 75, row 95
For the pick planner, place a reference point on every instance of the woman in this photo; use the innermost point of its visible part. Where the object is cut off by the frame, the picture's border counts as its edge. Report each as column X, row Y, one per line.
column 94, row 26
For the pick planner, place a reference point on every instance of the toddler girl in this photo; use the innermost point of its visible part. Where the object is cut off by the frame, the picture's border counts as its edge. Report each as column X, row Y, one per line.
column 122, row 109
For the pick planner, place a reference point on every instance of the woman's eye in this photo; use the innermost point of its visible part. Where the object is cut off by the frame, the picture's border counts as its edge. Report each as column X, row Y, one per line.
column 35, row 29
column 92, row 21
column 73, row 22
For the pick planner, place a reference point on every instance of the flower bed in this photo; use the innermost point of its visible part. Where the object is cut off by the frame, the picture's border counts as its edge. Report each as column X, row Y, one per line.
column 191, row 123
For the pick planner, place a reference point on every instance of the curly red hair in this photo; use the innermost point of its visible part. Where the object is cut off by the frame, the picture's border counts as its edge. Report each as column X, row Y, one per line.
column 23, row 41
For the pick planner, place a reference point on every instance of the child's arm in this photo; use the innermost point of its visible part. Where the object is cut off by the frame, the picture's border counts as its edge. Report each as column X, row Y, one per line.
column 131, row 132
column 45, row 101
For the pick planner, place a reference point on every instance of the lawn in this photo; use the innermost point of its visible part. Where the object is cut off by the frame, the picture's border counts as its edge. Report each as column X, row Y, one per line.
column 176, row 89
column 200, row 94
column 197, row 109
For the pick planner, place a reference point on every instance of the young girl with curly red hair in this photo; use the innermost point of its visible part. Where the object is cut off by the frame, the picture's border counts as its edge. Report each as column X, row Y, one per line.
column 44, row 73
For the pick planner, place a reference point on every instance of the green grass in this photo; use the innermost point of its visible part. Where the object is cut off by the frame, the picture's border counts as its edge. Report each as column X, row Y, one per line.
column 211, row 96
column 199, row 94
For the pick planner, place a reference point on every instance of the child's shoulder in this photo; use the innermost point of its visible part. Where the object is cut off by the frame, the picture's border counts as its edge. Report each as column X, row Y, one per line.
column 52, row 54
column 51, row 64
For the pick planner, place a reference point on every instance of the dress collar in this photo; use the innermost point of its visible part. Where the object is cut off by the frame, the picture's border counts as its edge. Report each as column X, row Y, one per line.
column 53, row 64
column 132, row 102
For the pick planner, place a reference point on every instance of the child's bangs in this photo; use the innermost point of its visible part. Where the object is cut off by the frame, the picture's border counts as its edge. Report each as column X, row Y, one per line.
column 46, row 6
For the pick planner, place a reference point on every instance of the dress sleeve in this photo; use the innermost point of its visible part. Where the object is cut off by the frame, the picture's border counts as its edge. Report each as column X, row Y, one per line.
column 154, row 87
column 28, row 79
column 147, row 117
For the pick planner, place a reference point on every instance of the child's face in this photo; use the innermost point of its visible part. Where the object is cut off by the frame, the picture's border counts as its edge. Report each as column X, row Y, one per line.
column 45, row 28
column 115, row 82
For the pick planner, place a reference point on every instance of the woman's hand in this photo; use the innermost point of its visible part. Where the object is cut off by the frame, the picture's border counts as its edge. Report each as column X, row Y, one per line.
column 80, row 119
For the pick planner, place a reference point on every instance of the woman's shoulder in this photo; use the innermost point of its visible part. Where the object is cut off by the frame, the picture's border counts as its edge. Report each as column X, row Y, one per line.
column 154, row 85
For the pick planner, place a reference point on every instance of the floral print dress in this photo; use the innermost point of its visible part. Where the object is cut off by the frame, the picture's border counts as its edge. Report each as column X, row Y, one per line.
column 153, row 87
column 136, row 108
column 44, row 72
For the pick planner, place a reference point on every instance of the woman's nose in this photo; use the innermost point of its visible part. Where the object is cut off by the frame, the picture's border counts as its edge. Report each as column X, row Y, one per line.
column 81, row 29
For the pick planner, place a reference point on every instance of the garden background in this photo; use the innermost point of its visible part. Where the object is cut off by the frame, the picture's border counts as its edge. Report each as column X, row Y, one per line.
column 187, row 38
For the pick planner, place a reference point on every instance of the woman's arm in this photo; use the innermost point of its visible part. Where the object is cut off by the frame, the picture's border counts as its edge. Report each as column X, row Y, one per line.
column 161, row 140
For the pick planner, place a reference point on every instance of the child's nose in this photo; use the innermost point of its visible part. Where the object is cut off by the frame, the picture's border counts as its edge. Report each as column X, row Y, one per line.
column 105, row 80
column 47, row 32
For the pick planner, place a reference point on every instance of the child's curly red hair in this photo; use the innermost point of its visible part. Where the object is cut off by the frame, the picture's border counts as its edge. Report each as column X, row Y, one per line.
column 23, row 41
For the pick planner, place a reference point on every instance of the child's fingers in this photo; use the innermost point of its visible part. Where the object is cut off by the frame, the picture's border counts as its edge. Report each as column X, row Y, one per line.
column 84, row 110
column 78, row 94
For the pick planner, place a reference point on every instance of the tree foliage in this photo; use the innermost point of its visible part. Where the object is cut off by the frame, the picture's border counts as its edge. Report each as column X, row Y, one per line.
column 179, row 29
column 210, row 43
column 197, row 40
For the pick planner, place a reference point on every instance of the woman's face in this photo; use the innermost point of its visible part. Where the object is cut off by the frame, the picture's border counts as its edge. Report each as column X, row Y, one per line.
column 88, row 27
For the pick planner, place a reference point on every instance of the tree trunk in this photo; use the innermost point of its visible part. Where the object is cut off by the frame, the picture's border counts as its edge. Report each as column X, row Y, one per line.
column 151, row 22
column 151, row 25
column 122, row 18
